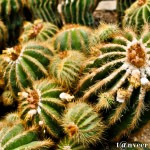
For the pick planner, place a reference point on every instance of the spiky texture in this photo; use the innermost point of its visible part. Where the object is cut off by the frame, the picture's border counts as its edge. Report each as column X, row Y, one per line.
column 81, row 122
column 122, row 5
column 69, row 144
column 11, row 14
column 121, row 75
column 3, row 35
column 65, row 67
column 137, row 15
column 42, row 106
column 38, row 31
column 45, row 10
column 73, row 37
column 27, row 62
column 79, row 11
column 17, row 138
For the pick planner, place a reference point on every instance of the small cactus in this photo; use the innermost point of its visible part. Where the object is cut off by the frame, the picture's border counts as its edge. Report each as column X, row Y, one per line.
column 79, row 11
column 137, row 15
column 38, row 31
column 73, row 37
column 122, row 5
column 12, row 16
column 3, row 35
column 81, row 122
column 42, row 106
column 65, row 67
column 45, row 10
column 26, row 63
column 119, row 80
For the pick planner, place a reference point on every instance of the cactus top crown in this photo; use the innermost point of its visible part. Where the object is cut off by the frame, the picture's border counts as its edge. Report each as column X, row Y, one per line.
column 136, row 54
column 141, row 2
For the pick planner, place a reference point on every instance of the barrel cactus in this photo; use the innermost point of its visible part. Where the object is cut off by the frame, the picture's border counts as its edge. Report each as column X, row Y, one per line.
column 26, row 63
column 73, row 37
column 38, row 31
column 66, row 67
column 42, row 106
column 17, row 138
column 3, row 35
column 137, row 15
column 45, row 10
column 81, row 122
column 122, row 5
column 118, row 80
column 79, row 11
column 12, row 16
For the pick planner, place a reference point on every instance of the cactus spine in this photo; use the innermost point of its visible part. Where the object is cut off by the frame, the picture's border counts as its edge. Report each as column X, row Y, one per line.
column 81, row 122
column 45, row 10
column 79, row 11
column 42, row 106
column 137, row 15
column 65, row 67
column 38, row 31
column 73, row 37
column 121, row 75
column 27, row 63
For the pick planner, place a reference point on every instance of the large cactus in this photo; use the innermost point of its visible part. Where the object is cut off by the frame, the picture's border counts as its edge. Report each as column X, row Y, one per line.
column 65, row 67
column 79, row 11
column 73, row 37
column 122, row 5
column 119, row 79
column 11, row 14
column 137, row 15
column 27, row 62
column 38, row 31
column 45, row 10
column 42, row 106
column 81, row 122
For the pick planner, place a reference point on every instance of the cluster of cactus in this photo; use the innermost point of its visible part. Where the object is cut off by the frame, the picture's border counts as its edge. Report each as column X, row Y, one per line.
column 70, row 86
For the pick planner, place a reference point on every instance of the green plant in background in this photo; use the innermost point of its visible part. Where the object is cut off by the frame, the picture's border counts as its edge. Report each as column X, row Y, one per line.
column 73, row 37
column 137, row 15
column 118, row 80
column 17, row 138
column 38, row 31
column 81, row 122
column 45, row 10
column 42, row 106
column 66, row 67
column 79, row 11
column 3, row 35
column 122, row 5
column 26, row 63
column 12, row 16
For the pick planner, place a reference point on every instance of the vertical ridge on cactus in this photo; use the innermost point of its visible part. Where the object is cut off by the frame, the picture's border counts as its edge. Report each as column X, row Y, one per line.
column 27, row 63
column 121, row 69
column 41, row 106
column 38, row 31
column 79, row 11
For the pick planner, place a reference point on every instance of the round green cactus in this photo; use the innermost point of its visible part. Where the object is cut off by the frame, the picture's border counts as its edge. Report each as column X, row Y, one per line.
column 81, row 122
column 65, row 67
column 45, row 10
column 122, row 5
column 3, row 35
column 12, row 15
column 137, row 15
column 79, row 11
column 119, row 80
column 38, row 31
column 26, row 63
column 17, row 138
column 42, row 106
column 73, row 37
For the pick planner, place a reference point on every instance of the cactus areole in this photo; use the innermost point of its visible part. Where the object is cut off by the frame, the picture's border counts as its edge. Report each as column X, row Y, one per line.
column 141, row 2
